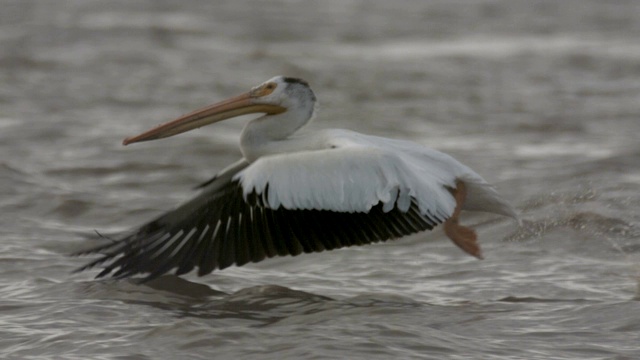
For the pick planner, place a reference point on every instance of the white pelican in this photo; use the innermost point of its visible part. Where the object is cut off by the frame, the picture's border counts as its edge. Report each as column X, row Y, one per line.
column 296, row 191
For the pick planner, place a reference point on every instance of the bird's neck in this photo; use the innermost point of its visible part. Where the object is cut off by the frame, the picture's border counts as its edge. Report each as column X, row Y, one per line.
column 269, row 134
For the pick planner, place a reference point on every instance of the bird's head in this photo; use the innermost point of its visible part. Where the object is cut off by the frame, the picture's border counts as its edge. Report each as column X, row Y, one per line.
column 274, row 96
column 287, row 92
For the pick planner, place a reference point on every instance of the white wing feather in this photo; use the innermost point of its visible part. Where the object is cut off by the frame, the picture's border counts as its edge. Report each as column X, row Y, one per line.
column 361, row 171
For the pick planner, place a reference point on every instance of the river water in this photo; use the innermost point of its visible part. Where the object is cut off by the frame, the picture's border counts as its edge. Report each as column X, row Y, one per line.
column 540, row 97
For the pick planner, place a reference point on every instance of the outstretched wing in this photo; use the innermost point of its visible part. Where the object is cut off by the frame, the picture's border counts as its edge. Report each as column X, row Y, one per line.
column 285, row 205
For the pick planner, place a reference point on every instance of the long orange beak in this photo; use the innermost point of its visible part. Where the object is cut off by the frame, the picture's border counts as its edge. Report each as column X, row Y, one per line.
column 235, row 106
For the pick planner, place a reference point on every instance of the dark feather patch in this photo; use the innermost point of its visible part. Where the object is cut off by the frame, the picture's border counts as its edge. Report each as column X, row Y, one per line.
column 220, row 229
column 292, row 80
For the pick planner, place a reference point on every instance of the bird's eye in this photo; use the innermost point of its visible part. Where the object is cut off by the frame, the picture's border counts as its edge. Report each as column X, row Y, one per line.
column 266, row 89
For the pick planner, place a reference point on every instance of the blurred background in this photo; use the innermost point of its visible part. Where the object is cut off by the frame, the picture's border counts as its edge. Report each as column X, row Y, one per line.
column 539, row 97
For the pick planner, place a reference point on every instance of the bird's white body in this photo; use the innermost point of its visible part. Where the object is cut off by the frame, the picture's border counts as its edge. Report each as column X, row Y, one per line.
column 342, row 170
column 301, row 191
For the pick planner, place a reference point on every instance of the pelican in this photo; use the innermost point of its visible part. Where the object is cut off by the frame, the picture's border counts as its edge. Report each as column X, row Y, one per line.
column 298, row 191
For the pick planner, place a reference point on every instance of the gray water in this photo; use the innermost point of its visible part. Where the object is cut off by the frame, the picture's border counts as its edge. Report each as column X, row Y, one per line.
column 540, row 97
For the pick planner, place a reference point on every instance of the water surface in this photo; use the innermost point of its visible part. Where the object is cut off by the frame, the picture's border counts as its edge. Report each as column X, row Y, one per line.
column 541, row 98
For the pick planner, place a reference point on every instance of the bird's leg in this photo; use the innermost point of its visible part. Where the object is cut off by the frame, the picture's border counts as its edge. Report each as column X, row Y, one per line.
column 464, row 237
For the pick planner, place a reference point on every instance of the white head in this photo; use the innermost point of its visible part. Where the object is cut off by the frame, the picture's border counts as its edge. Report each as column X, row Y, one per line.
column 293, row 94
column 288, row 97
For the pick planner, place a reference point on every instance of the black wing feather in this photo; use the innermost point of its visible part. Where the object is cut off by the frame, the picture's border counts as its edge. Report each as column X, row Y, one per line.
column 220, row 228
